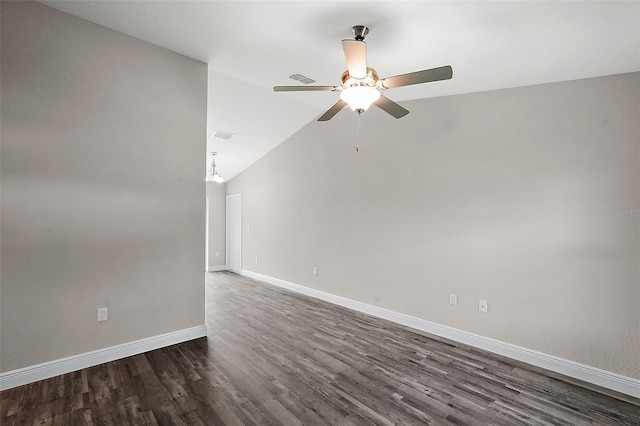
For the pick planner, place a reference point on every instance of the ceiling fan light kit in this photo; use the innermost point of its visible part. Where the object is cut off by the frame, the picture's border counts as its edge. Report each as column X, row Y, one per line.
column 360, row 98
column 360, row 84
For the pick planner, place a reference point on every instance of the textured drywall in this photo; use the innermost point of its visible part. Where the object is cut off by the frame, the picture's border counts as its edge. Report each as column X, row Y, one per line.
column 103, row 196
column 526, row 197
column 216, row 227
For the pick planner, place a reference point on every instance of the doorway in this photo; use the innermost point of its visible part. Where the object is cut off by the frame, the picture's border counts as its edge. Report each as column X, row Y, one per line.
column 234, row 232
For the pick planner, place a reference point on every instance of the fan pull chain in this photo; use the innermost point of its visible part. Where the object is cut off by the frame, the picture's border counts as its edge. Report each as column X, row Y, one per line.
column 358, row 134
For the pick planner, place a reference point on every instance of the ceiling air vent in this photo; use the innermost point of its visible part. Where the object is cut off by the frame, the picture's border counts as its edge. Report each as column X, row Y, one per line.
column 222, row 134
column 301, row 78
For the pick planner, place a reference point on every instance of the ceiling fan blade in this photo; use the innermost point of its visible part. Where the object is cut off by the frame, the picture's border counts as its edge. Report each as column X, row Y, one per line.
column 305, row 88
column 355, row 53
column 424, row 76
column 388, row 106
column 333, row 111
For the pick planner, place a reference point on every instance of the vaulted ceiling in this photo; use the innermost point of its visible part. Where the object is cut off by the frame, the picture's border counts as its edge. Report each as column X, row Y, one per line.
column 252, row 46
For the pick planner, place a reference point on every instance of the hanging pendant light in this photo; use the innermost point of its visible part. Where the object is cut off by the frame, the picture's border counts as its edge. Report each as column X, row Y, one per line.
column 213, row 174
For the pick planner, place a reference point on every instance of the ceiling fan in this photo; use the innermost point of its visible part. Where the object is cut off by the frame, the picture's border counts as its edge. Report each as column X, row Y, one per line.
column 360, row 84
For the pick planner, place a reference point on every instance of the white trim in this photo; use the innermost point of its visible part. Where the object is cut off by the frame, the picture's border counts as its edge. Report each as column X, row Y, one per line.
column 596, row 376
column 33, row 373
column 217, row 268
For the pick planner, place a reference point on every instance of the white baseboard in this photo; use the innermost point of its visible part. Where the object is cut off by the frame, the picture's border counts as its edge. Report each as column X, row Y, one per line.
column 596, row 376
column 33, row 373
column 217, row 268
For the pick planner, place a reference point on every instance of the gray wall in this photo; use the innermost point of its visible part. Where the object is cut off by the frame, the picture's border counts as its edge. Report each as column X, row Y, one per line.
column 525, row 197
column 216, row 196
column 103, row 196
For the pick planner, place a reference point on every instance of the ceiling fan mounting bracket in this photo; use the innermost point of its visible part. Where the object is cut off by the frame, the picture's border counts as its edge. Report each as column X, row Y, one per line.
column 360, row 32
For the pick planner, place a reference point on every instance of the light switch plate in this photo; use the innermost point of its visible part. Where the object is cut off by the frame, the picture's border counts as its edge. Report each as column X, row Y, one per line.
column 102, row 314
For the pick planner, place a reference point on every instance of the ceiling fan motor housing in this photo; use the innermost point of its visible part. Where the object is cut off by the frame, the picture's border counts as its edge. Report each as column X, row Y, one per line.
column 370, row 80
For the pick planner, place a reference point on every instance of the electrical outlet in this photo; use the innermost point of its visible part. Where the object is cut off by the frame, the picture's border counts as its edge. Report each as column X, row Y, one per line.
column 483, row 306
column 315, row 271
column 217, row 254
column 453, row 299
column 102, row 314
column 256, row 259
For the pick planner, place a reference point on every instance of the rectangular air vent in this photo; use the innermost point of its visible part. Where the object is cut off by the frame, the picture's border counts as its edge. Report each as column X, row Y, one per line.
column 222, row 134
column 301, row 78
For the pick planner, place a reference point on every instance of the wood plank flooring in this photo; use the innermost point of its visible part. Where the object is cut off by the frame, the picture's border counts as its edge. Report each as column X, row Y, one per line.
column 276, row 357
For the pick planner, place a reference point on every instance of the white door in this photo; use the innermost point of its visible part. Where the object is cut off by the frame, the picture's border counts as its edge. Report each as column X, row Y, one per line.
column 206, row 236
column 234, row 232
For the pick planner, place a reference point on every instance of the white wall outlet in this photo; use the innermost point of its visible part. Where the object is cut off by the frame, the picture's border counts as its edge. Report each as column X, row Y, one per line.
column 248, row 228
column 453, row 299
column 315, row 271
column 256, row 259
column 483, row 306
column 217, row 254
column 102, row 314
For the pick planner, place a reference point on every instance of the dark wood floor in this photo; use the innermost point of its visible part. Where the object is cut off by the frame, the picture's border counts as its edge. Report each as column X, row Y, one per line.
column 275, row 357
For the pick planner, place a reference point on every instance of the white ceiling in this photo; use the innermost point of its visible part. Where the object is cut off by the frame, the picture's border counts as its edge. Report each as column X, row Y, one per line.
column 252, row 46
